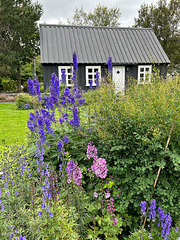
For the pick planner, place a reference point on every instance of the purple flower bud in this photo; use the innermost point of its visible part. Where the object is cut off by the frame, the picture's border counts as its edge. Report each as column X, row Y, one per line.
column 40, row 213
column 143, row 207
column 2, row 207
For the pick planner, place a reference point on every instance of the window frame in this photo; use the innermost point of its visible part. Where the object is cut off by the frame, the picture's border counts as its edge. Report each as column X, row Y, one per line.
column 144, row 72
column 60, row 68
column 93, row 78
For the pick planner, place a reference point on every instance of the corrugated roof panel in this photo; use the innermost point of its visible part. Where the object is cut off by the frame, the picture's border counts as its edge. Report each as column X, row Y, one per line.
column 162, row 57
column 118, row 58
column 96, row 44
column 134, row 49
column 122, row 46
column 59, row 48
column 149, row 48
column 139, row 47
column 113, row 46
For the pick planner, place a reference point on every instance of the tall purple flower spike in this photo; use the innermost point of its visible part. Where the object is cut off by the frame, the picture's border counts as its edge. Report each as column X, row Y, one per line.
column 110, row 65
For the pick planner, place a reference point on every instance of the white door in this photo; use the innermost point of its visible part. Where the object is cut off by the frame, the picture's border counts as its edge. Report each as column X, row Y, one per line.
column 118, row 77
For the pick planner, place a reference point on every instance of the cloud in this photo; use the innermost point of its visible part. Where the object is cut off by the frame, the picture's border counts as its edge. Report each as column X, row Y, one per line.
column 60, row 10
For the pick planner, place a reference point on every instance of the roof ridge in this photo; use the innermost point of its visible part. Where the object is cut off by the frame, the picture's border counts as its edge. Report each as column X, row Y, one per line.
column 86, row 26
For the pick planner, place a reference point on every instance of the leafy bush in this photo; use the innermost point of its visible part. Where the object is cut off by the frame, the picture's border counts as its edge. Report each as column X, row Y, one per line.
column 134, row 129
column 8, row 84
column 24, row 101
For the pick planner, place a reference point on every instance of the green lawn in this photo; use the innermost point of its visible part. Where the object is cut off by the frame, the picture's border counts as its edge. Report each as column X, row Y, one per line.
column 13, row 124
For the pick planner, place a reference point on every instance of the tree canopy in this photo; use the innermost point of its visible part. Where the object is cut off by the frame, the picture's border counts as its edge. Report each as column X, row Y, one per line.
column 100, row 16
column 19, row 34
column 164, row 19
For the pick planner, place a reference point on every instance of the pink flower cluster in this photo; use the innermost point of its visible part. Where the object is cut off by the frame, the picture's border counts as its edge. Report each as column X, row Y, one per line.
column 91, row 151
column 99, row 164
column 73, row 173
column 99, row 167
column 111, row 209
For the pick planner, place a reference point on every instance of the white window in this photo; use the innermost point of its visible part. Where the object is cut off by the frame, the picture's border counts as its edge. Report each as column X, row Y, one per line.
column 68, row 72
column 144, row 72
column 91, row 74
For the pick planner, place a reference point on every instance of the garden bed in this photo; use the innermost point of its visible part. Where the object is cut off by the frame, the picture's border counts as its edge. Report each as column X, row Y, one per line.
column 8, row 96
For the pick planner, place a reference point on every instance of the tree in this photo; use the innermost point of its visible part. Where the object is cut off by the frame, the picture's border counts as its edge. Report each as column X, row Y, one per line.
column 19, row 35
column 101, row 16
column 164, row 19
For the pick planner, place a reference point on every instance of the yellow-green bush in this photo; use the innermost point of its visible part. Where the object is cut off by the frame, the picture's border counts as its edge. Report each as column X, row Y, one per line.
column 25, row 101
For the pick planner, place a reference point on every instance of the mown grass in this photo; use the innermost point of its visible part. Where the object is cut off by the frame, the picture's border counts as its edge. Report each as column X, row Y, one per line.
column 13, row 125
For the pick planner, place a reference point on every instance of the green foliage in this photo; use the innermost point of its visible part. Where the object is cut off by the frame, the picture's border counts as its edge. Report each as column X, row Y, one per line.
column 24, row 99
column 19, row 35
column 101, row 16
column 164, row 19
column 133, row 130
column 154, row 233
column 8, row 84
column 30, row 69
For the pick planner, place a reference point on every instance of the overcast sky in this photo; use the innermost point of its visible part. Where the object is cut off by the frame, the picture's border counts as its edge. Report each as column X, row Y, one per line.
column 61, row 10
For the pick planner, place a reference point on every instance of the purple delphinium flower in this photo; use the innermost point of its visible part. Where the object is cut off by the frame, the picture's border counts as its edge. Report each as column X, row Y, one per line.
column 37, row 89
column 75, row 69
column 74, row 78
column 54, row 88
column 51, row 214
column 70, row 168
column 176, row 230
column 166, row 226
column 61, row 147
column 30, row 87
column 61, row 120
column 2, row 207
column 75, row 121
column 143, row 207
column 26, row 105
column 66, row 139
column 41, row 131
column 63, row 75
column 110, row 65
column 97, row 79
column 90, row 84
column 152, row 212
column 40, row 213
column 6, row 185
column 49, row 103
column 34, row 89
column 75, row 64
column 161, row 214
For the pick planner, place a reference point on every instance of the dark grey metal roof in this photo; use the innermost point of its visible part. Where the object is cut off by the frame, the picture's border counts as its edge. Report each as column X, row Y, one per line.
column 96, row 44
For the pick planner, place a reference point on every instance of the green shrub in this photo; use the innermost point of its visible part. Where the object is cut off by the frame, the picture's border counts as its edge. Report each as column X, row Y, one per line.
column 8, row 84
column 23, row 100
column 133, row 130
